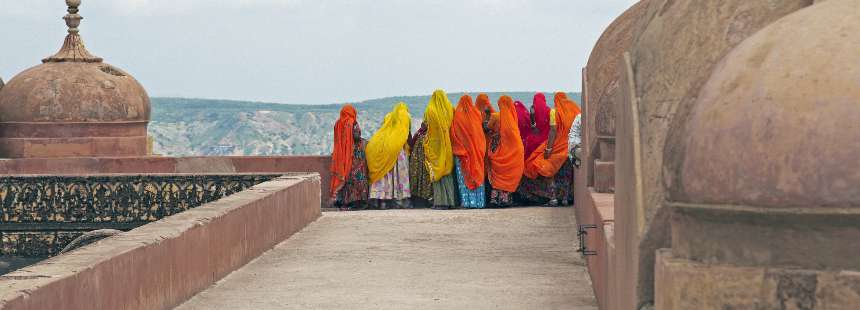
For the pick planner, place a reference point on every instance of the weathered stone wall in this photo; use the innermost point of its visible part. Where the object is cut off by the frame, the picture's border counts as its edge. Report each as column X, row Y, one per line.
column 41, row 214
column 162, row 264
column 770, row 219
column 677, row 45
column 602, row 84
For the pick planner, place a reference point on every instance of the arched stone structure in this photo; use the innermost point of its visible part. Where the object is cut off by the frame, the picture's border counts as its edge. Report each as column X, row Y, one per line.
column 603, row 73
column 677, row 45
column 763, row 184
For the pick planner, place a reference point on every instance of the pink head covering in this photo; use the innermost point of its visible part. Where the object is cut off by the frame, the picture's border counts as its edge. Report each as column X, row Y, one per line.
column 534, row 140
column 523, row 121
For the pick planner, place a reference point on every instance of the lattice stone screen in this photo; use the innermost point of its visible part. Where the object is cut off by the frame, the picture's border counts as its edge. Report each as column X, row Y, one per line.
column 39, row 215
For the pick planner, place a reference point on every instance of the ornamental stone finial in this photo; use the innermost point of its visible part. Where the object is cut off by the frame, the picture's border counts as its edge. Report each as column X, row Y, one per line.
column 73, row 49
column 73, row 19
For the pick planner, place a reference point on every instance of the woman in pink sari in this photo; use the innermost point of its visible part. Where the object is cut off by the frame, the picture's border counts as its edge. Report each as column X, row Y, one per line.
column 523, row 120
column 538, row 129
column 539, row 126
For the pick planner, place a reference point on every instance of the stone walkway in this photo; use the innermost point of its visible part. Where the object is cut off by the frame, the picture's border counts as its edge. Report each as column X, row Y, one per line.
column 416, row 259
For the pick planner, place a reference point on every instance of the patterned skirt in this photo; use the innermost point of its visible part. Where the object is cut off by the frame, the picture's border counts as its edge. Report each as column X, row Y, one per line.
column 395, row 184
column 500, row 198
column 445, row 192
column 355, row 188
column 543, row 189
column 564, row 182
column 539, row 190
column 419, row 177
column 473, row 199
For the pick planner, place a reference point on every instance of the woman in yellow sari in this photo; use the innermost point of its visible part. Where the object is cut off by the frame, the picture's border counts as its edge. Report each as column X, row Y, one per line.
column 388, row 159
column 438, row 152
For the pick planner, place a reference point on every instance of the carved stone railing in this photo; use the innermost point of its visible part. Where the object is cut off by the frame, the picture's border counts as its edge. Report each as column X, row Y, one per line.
column 39, row 215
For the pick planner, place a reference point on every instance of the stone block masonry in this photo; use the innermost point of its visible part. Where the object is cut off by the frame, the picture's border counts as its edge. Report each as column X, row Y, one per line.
column 160, row 265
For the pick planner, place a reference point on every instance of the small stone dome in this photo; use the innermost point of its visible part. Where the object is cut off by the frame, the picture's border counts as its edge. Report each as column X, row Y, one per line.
column 73, row 104
column 74, row 92
column 777, row 125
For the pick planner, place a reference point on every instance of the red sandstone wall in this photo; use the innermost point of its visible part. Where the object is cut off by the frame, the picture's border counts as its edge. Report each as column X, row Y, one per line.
column 155, row 164
column 597, row 209
column 162, row 264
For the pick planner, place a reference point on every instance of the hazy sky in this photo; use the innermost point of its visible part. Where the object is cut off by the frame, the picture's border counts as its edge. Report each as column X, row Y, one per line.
column 320, row 51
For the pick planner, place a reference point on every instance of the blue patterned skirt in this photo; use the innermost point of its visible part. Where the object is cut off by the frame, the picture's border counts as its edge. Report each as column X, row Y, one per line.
column 472, row 199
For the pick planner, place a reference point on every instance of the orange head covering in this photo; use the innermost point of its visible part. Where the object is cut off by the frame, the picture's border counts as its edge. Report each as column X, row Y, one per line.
column 341, row 156
column 536, row 164
column 559, row 97
column 506, row 162
column 482, row 103
column 468, row 142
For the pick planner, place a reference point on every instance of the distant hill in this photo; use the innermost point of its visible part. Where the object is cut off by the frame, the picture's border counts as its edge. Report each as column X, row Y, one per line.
column 186, row 127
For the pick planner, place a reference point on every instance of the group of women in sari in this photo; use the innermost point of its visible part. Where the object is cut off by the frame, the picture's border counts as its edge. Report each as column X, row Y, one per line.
column 469, row 156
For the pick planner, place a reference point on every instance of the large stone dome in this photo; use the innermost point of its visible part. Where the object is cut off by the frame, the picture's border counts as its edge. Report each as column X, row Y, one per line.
column 604, row 68
column 73, row 104
column 777, row 125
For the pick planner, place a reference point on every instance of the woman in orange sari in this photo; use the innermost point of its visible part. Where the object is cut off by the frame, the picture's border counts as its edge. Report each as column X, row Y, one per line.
column 484, row 106
column 549, row 165
column 349, row 176
column 469, row 147
column 505, row 153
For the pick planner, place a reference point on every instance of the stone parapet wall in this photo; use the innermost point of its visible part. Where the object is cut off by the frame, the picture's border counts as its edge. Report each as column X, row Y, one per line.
column 42, row 214
column 162, row 264
column 593, row 208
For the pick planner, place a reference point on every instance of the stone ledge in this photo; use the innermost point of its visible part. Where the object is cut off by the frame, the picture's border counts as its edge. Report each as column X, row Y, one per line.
column 598, row 209
column 684, row 284
column 160, row 265
column 604, row 176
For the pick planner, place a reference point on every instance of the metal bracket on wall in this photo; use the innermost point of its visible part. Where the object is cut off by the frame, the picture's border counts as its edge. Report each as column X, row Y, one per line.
column 581, row 234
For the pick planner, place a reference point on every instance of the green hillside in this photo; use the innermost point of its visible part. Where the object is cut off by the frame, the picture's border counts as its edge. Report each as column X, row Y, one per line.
column 186, row 127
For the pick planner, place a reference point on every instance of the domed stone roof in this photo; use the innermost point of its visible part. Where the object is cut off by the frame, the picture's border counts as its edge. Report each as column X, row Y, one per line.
column 73, row 92
column 604, row 69
column 73, row 86
column 73, row 104
column 777, row 125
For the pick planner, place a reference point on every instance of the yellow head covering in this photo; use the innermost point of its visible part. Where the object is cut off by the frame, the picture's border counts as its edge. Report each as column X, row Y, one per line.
column 387, row 142
column 437, row 145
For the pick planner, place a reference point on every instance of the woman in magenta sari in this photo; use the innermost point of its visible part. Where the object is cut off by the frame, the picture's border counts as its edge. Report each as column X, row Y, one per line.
column 523, row 120
column 538, row 133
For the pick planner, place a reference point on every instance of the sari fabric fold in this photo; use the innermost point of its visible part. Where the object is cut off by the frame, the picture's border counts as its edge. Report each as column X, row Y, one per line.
column 344, row 142
column 506, row 161
column 387, row 143
column 536, row 164
column 541, row 122
column 437, row 143
column 524, row 121
column 468, row 142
